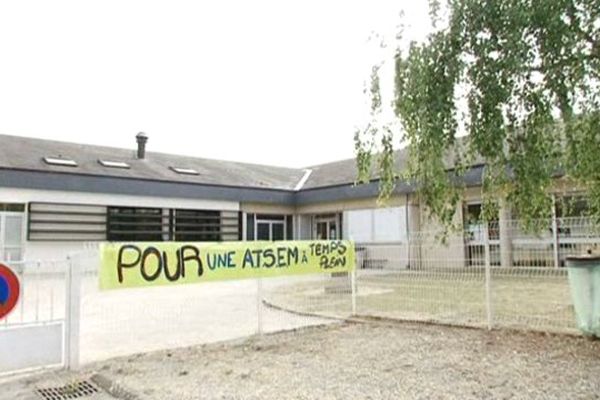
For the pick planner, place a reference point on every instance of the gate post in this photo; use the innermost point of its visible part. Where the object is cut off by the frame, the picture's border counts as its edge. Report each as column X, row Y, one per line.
column 353, row 285
column 488, row 277
column 72, row 313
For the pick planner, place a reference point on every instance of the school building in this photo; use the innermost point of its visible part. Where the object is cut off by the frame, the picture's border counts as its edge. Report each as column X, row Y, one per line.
column 55, row 197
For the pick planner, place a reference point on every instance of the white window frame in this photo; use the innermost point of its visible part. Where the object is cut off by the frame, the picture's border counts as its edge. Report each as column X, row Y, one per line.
column 21, row 246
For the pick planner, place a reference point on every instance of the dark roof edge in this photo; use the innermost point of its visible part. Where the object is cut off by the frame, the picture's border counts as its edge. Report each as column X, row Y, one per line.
column 346, row 192
column 471, row 178
column 27, row 179
column 64, row 173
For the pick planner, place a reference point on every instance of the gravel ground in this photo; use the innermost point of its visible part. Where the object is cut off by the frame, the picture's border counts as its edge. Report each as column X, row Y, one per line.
column 369, row 361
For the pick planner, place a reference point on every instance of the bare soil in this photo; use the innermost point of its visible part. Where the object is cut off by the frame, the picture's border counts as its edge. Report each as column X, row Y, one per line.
column 367, row 361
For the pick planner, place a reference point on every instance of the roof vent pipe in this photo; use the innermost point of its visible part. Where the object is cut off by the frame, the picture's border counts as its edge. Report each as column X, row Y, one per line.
column 141, row 139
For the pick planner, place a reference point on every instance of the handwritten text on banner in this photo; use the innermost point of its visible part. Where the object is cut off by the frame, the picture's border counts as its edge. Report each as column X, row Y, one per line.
column 167, row 263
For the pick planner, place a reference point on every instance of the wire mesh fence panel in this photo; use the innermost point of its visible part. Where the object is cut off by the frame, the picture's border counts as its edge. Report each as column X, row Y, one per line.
column 495, row 274
column 533, row 298
column 42, row 292
column 432, row 288
column 32, row 334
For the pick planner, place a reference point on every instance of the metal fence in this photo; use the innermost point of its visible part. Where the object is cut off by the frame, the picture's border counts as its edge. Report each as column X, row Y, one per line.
column 489, row 275
column 462, row 281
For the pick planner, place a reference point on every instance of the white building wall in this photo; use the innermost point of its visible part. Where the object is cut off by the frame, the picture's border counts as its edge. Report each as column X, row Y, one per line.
column 56, row 196
column 40, row 250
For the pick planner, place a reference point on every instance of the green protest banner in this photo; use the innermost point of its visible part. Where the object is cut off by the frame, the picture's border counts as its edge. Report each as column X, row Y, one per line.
column 125, row 265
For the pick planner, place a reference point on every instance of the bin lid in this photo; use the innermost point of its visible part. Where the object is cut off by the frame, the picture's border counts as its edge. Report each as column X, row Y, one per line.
column 583, row 260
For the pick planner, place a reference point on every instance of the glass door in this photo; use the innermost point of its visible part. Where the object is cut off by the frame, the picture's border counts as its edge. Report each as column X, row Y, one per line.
column 326, row 227
column 263, row 231
column 270, row 228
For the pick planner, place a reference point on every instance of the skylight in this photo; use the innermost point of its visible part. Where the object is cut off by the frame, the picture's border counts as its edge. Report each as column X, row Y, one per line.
column 114, row 164
column 63, row 162
column 185, row 171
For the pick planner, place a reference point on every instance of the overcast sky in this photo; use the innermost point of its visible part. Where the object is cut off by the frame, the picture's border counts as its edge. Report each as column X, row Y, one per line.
column 275, row 82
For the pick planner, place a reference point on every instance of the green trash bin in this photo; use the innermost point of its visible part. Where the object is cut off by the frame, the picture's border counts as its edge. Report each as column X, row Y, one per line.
column 584, row 279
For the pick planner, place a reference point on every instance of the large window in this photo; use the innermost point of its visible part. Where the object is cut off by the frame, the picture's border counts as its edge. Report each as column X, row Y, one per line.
column 198, row 225
column 377, row 225
column 11, row 231
column 156, row 224
column 82, row 222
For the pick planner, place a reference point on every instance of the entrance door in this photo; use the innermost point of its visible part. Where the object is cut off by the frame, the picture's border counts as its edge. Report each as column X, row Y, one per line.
column 270, row 229
column 326, row 227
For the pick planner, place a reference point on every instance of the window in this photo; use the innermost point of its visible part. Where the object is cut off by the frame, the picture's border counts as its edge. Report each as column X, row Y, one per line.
column 571, row 207
column 135, row 224
column 63, row 162
column 114, row 164
column 11, row 232
column 185, row 171
column 473, row 222
column 475, row 236
column 572, row 214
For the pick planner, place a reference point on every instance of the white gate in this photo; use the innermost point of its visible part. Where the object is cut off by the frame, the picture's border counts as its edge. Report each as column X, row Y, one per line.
column 33, row 335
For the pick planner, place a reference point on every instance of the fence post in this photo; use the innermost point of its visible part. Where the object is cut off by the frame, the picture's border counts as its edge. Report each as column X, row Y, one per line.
column 555, row 245
column 72, row 313
column 488, row 277
column 259, row 314
column 353, row 278
column 353, row 286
